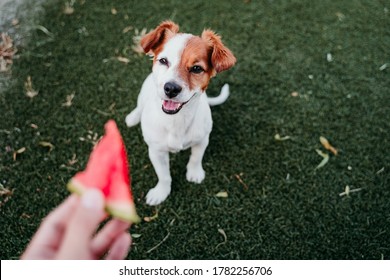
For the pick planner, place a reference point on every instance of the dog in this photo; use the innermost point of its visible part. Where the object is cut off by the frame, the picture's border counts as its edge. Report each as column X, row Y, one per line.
column 172, row 107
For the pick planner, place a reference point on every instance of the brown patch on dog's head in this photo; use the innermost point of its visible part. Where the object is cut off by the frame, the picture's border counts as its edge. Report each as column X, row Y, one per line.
column 153, row 41
column 195, row 67
column 206, row 53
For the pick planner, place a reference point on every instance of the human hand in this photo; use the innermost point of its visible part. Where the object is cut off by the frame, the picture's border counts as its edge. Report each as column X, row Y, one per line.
column 68, row 232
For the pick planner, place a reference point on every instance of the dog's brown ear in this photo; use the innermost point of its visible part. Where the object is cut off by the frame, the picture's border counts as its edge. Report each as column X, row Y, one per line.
column 221, row 57
column 151, row 41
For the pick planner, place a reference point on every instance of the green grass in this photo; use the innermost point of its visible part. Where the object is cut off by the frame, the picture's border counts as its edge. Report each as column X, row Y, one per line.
column 283, row 208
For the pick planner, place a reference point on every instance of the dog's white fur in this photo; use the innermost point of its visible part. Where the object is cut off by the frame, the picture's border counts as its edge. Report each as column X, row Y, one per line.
column 190, row 127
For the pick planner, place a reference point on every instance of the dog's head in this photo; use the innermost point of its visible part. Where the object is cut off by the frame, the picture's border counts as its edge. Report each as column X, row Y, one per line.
column 183, row 64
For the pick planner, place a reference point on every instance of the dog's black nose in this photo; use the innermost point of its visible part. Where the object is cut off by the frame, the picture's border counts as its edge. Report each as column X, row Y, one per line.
column 172, row 89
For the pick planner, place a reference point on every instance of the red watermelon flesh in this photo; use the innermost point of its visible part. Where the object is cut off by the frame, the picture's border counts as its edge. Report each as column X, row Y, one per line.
column 108, row 170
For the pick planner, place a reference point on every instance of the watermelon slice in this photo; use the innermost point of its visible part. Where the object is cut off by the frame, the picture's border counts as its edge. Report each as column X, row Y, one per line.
column 108, row 170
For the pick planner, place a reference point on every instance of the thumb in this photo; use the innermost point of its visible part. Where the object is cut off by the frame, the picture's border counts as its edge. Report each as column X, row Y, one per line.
column 82, row 225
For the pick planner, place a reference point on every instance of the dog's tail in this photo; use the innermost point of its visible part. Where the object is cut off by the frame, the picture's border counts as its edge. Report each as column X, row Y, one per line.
column 221, row 98
column 134, row 117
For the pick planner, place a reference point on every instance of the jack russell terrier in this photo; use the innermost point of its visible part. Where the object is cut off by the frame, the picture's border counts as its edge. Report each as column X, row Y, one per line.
column 173, row 107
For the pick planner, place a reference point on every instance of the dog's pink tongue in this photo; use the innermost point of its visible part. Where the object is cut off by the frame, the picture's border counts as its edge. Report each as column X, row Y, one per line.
column 171, row 105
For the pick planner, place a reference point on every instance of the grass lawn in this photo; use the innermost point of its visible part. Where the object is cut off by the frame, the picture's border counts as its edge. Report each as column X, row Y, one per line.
column 305, row 69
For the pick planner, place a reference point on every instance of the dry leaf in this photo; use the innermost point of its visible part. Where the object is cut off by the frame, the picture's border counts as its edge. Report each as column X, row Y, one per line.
column 222, row 232
column 25, row 216
column 5, row 191
column 18, row 152
column 47, row 144
column 69, row 99
column 15, row 22
column 279, row 138
column 328, row 146
column 127, row 29
column 123, row 59
column 149, row 219
column 238, row 177
column 68, row 10
column 114, row 11
column 329, row 57
column 222, row 194
column 136, row 47
column 348, row 190
column 7, row 52
column 340, row 16
column 73, row 161
column 383, row 67
column 325, row 160
column 6, row 194
column 294, row 94
column 30, row 91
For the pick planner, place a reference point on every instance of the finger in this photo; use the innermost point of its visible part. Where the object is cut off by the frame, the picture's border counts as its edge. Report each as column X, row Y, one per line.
column 82, row 225
column 107, row 235
column 120, row 247
column 50, row 233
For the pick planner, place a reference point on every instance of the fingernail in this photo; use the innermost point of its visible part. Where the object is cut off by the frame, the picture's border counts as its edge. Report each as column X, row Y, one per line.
column 92, row 199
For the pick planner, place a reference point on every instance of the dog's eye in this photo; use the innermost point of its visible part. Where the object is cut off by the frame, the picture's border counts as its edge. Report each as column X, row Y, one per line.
column 163, row 61
column 196, row 69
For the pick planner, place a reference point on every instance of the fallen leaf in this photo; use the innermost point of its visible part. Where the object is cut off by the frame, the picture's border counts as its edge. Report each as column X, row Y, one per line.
column 383, row 67
column 348, row 191
column 45, row 30
column 123, row 59
column 222, row 194
column 127, row 29
column 294, row 94
column 340, row 16
column 69, row 9
column 30, row 91
column 380, row 170
column 137, row 40
column 325, row 160
column 136, row 235
column 73, row 161
column 329, row 57
column 25, row 216
column 149, row 219
column 328, row 146
column 15, row 22
column 238, row 177
column 69, row 99
column 7, row 52
column 222, row 232
column 5, row 191
column 6, row 194
column 279, row 138
column 47, row 144
column 18, row 152
column 114, row 11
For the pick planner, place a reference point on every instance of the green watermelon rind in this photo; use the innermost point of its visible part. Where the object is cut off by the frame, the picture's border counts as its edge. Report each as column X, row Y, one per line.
column 127, row 213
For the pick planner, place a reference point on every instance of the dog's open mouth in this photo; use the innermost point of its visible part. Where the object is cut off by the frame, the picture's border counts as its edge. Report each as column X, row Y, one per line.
column 171, row 107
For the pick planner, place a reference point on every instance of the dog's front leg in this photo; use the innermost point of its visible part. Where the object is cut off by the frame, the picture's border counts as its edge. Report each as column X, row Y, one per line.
column 160, row 161
column 195, row 171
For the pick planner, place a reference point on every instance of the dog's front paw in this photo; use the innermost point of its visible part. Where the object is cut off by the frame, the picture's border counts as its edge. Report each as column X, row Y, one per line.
column 195, row 174
column 158, row 194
